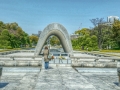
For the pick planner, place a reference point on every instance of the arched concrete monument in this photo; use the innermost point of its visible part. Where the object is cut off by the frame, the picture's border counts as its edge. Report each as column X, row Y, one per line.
column 57, row 30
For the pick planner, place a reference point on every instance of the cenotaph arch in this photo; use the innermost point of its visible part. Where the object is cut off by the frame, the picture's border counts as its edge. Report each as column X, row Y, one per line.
column 57, row 30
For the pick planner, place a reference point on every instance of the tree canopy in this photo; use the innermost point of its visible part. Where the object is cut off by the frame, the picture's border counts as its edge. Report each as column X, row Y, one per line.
column 12, row 36
column 33, row 40
column 101, row 36
column 116, row 32
column 54, row 40
column 85, row 41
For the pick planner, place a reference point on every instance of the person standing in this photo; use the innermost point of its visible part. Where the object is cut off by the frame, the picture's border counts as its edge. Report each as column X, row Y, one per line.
column 46, row 60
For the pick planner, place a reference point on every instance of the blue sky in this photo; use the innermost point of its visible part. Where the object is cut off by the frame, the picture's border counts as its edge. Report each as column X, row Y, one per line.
column 35, row 15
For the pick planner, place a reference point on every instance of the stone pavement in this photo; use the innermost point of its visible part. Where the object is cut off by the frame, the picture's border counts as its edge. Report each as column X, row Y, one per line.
column 59, row 78
column 101, row 78
column 20, row 78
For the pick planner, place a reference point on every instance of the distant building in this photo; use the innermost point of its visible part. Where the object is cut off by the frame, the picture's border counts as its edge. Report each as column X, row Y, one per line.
column 74, row 36
column 107, row 23
column 39, row 32
column 38, row 35
column 111, row 19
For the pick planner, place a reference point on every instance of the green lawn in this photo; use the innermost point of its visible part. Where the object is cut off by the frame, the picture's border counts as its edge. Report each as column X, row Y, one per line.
column 116, row 51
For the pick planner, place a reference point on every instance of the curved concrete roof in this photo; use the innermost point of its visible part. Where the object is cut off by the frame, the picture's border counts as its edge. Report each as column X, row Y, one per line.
column 57, row 30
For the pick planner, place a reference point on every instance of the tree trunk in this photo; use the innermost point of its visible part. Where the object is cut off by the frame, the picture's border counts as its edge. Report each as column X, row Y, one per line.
column 99, row 37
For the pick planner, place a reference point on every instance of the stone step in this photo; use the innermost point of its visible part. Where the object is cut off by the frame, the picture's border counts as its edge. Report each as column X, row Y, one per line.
column 20, row 69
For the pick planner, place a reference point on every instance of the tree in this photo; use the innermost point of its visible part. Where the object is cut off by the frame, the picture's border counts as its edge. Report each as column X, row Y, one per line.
column 83, row 31
column 4, row 38
column 107, row 37
column 85, row 40
column 54, row 40
column 12, row 35
column 116, row 32
column 97, row 22
column 33, row 39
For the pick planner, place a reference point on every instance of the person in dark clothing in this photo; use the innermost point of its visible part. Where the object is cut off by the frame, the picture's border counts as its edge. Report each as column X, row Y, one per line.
column 46, row 60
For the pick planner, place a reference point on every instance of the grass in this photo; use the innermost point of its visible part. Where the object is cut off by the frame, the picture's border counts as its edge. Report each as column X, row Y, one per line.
column 3, row 50
column 24, row 48
column 114, row 51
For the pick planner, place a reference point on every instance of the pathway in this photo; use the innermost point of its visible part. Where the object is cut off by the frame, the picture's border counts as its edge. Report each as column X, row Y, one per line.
column 59, row 78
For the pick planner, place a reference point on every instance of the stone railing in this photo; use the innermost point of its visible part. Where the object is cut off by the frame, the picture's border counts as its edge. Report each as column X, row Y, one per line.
column 20, row 60
column 94, row 61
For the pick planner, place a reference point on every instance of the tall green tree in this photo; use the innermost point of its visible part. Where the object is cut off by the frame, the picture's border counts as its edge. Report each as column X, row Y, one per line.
column 83, row 31
column 54, row 40
column 86, row 41
column 97, row 24
column 5, row 38
column 12, row 36
column 33, row 40
column 116, row 32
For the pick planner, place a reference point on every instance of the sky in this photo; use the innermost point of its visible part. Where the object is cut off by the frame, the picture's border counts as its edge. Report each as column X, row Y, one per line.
column 34, row 15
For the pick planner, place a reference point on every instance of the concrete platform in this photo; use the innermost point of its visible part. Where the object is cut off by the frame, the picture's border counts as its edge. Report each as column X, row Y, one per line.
column 59, row 78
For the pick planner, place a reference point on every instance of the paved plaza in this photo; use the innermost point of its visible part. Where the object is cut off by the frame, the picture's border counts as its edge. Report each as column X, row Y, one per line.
column 59, row 78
